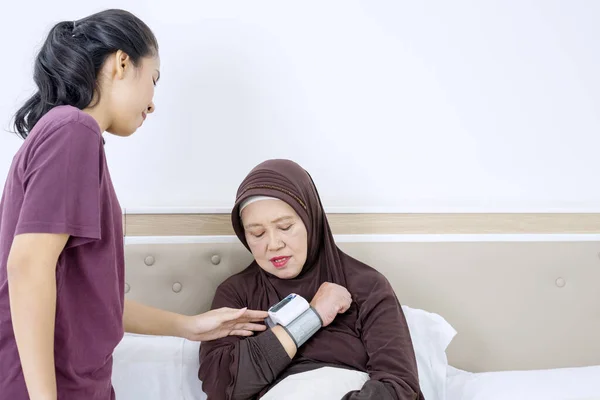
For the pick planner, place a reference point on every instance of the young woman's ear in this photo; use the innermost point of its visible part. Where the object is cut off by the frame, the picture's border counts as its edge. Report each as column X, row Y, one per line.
column 122, row 63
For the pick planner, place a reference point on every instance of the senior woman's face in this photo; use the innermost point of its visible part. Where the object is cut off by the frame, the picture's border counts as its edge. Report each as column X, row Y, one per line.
column 277, row 237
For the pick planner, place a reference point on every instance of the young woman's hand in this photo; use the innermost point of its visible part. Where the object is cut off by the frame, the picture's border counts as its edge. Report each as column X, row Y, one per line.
column 223, row 322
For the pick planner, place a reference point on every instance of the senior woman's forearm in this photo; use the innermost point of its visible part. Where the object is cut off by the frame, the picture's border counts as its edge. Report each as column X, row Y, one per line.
column 261, row 359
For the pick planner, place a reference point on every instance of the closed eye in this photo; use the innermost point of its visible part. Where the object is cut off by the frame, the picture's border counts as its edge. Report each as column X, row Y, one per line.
column 287, row 228
column 258, row 235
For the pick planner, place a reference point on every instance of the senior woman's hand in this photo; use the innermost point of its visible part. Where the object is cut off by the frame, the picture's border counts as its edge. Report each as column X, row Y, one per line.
column 330, row 300
column 222, row 322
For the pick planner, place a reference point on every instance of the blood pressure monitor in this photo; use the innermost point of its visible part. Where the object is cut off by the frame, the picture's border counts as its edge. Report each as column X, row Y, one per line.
column 297, row 318
column 288, row 309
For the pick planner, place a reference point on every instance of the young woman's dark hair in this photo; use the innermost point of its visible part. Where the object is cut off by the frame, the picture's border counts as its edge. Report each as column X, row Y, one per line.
column 66, row 68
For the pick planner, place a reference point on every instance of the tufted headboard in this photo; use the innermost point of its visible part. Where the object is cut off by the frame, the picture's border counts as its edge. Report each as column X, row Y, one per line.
column 516, row 304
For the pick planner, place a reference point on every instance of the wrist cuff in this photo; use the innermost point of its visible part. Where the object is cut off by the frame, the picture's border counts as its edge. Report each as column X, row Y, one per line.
column 303, row 327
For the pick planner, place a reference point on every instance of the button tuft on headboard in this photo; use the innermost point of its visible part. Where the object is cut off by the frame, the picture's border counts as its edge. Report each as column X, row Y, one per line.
column 127, row 288
column 177, row 287
column 149, row 260
column 216, row 259
column 560, row 282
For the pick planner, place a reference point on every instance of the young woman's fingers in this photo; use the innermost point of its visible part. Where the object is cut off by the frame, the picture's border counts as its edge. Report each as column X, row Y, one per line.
column 250, row 327
column 240, row 332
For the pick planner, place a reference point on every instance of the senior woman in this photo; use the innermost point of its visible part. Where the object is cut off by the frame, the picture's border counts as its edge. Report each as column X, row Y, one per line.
column 345, row 314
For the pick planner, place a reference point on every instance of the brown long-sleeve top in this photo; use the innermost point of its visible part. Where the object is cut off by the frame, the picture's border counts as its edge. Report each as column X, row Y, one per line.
column 372, row 337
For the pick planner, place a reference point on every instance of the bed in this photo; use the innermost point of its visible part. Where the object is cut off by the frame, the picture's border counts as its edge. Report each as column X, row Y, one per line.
column 494, row 318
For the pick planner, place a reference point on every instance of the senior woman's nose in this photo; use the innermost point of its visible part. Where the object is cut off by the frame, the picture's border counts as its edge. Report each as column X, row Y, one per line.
column 275, row 242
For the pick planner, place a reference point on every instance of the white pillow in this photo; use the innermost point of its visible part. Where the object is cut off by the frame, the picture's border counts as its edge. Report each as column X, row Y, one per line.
column 431, row 334
column 192, row 386
column 320, row 384
column 156, row 368
column 168, row 366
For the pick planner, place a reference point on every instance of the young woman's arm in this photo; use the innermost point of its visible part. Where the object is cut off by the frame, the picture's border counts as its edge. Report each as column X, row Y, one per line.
column 32, row 287
column 143, row 319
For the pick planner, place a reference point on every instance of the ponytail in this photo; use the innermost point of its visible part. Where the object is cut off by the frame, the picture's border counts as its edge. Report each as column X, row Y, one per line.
column 67, row 66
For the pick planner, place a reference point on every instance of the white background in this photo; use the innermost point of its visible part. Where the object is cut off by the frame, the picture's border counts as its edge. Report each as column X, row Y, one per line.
column 392, row 105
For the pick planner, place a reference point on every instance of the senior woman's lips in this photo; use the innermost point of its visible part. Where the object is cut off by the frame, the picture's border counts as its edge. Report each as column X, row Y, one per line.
column 280, row 262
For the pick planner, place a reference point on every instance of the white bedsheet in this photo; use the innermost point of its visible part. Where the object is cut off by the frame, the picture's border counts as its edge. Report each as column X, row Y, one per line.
column 552, row 384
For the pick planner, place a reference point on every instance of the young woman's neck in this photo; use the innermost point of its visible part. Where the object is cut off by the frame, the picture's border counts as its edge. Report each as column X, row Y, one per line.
column 100, row 115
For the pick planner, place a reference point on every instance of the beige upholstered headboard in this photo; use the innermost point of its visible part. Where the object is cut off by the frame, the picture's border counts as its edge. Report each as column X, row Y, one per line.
column 516, row 304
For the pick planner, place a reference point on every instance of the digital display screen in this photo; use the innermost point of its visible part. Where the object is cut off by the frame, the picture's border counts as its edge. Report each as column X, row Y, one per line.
column 281, row 304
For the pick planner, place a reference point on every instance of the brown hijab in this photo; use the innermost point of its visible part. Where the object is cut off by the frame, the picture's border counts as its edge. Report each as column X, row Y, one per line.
column 287, row 181
column 372, row 336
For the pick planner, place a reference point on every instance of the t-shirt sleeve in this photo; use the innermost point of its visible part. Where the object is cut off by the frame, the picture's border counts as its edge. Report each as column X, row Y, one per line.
column 61, row 185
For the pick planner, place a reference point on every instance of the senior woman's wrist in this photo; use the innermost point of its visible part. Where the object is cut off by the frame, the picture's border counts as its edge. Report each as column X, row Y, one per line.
column 286, row 341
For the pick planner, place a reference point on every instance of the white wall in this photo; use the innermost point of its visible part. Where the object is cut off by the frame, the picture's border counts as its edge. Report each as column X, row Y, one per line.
column 395, row 105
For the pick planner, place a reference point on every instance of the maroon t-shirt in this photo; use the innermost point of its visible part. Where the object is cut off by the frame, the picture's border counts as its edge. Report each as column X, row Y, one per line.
column 59, row 183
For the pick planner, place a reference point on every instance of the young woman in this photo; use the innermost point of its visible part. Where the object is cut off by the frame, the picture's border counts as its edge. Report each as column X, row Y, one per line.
column 62, row 307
